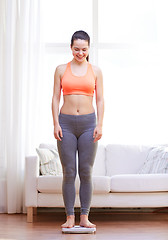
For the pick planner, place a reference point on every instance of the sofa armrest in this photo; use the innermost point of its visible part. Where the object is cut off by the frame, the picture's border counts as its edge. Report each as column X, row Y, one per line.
column 31, row 174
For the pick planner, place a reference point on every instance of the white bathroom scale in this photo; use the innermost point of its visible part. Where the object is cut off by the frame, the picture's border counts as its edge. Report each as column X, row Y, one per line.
column 78, row 229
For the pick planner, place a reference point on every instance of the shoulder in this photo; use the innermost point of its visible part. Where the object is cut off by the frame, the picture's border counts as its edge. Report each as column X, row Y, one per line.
column 97, row 71
column 60, row 69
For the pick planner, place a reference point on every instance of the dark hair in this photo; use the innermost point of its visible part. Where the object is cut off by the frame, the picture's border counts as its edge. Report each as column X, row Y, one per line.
column 80, row 35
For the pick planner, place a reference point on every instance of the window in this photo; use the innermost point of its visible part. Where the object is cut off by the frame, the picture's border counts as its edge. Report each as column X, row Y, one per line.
column 127, row 21
column 129, row 43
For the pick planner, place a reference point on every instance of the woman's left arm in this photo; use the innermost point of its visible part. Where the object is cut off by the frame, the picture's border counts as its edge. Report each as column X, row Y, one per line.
column 100, row 104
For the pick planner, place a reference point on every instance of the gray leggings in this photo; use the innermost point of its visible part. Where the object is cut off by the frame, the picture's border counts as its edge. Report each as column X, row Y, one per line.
column 77, row 135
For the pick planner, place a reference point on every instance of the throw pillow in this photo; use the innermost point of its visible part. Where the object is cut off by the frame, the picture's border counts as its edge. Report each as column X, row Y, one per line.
column 156, row 161
column 49, row 161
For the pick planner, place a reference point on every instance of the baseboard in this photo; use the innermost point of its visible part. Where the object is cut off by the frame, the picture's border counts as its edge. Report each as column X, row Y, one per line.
column 107, row 210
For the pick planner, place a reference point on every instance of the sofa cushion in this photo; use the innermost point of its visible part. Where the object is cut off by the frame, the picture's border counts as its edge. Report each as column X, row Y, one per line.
column 125, row 159
column 156, row 161
column 49, row 161
column 53, row 184
column 101, row 184
column 139, row 183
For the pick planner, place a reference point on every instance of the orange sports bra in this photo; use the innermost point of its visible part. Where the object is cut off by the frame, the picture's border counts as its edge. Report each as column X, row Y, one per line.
column 72, row 84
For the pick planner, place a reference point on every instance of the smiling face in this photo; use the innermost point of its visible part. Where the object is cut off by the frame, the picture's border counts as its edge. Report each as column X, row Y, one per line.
column 80, row 49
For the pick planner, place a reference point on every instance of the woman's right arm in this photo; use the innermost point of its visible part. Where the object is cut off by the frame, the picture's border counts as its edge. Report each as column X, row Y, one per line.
column 55, row 103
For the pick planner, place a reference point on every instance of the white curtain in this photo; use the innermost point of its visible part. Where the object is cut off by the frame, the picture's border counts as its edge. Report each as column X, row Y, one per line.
column 20, row 86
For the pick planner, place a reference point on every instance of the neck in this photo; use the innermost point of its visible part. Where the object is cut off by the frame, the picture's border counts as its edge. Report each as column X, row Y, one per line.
column 74, row 61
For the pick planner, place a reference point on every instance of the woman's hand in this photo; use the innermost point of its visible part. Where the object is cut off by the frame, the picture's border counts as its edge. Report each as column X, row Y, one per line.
column 97, row 134
column 58, row 132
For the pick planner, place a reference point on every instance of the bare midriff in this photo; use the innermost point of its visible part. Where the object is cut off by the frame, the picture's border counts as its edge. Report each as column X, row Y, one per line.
column 77, row 104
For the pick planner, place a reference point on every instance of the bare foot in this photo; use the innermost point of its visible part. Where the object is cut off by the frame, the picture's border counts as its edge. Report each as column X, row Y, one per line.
column 70, row 222
column 84, row 222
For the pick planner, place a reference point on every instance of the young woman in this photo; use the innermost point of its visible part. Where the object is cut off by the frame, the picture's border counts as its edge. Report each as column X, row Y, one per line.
column 76, row 126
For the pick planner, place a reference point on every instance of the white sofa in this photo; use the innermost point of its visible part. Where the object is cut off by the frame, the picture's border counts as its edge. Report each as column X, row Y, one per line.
column 116, row 181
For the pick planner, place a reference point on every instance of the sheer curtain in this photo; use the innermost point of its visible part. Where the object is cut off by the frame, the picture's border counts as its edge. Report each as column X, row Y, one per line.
column 20, row 88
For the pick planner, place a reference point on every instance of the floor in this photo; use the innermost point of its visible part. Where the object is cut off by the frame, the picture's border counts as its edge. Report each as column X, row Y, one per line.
column 136, row 226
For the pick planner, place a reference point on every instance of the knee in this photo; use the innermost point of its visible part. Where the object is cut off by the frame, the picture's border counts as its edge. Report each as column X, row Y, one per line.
column 69, row 174
column 85, row 174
